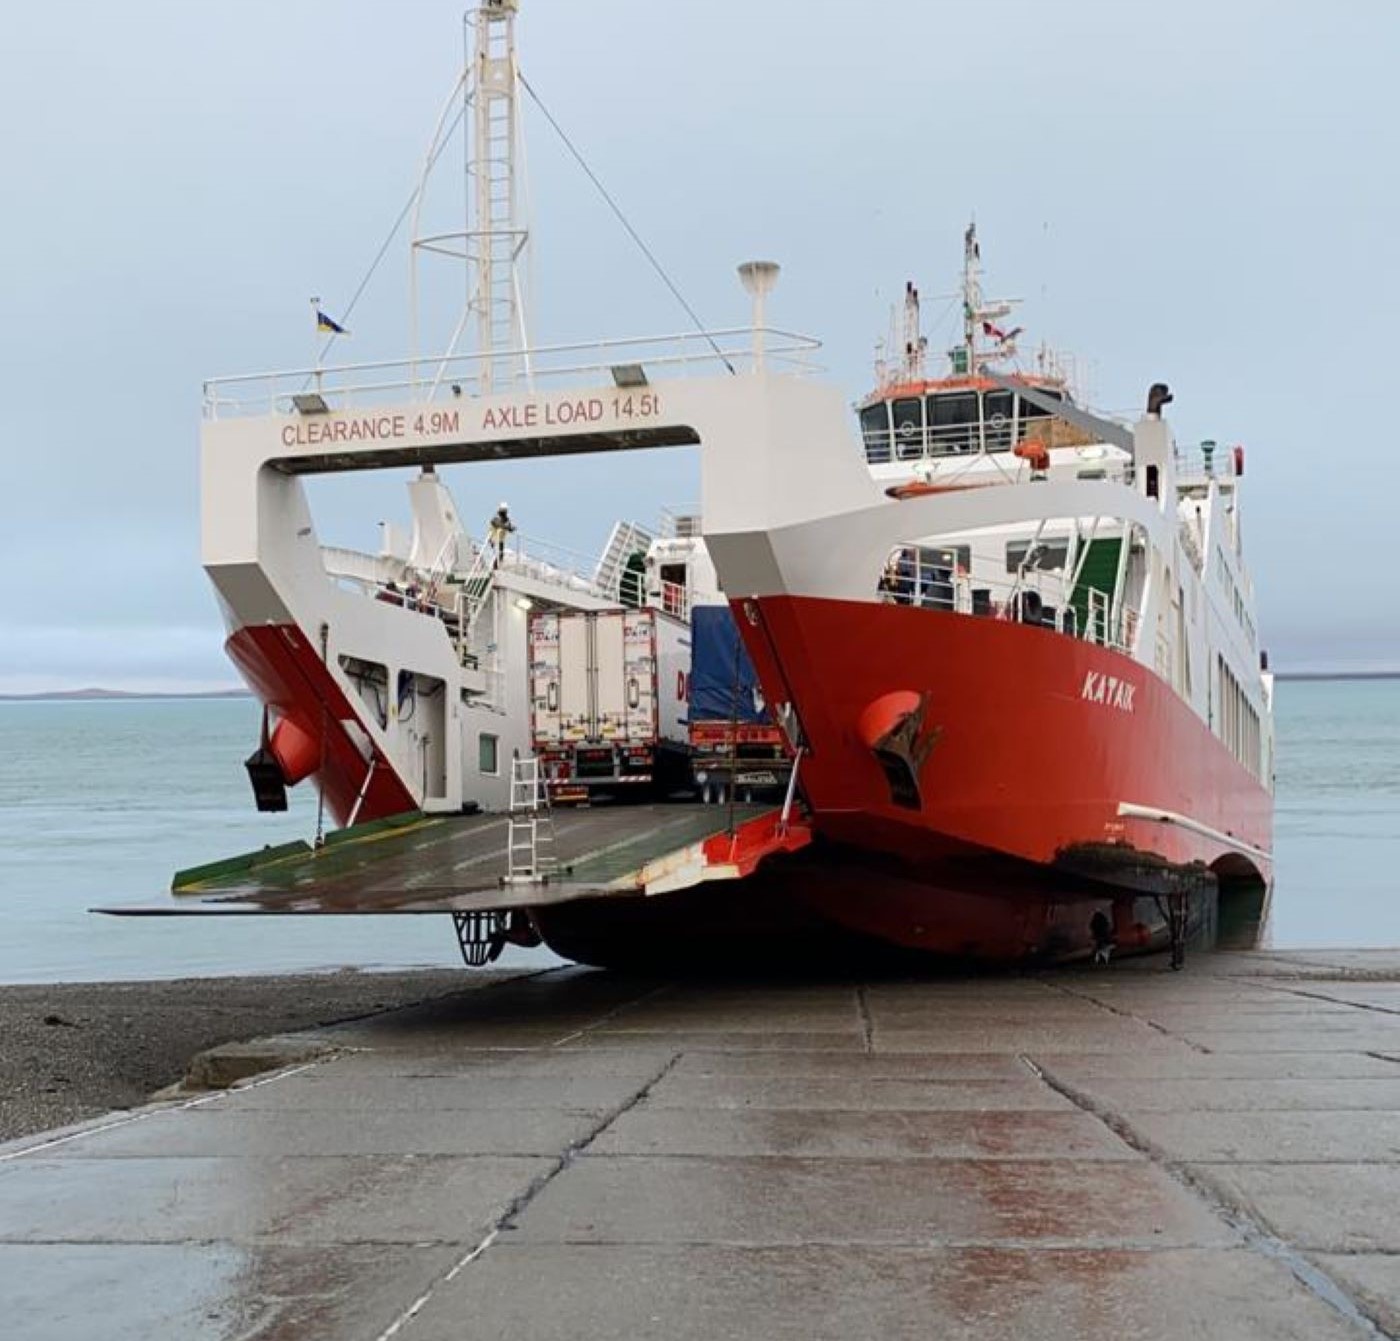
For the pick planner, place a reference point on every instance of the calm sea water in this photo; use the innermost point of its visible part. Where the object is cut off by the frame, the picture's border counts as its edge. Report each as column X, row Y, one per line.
column 100, row 802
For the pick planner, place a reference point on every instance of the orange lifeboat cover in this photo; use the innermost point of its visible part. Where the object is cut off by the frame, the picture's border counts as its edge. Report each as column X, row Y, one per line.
column 298, row 750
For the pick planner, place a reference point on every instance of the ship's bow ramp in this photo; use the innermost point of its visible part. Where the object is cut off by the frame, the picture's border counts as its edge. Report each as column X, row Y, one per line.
column 420, row 863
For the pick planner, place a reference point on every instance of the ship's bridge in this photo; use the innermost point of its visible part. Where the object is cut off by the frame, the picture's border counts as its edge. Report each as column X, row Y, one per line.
column 960, row 416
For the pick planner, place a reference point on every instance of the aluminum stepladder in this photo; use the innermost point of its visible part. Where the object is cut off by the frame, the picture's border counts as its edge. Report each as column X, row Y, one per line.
column 530, row 856
column 530, row 860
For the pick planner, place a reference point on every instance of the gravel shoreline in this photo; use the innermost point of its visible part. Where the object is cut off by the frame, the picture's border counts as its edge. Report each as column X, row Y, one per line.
column 70, row 1051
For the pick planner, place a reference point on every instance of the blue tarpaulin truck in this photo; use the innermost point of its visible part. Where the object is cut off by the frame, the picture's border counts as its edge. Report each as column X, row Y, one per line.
column 733, row 736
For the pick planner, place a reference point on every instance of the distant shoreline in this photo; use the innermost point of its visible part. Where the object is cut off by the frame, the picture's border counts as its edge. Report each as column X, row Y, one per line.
column 1337, row 675
column 118, row 695
column 132, row 695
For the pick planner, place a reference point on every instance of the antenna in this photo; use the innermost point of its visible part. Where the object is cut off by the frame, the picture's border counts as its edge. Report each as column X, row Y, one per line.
column 494, row 243
column 758, row 279
column 979, row 317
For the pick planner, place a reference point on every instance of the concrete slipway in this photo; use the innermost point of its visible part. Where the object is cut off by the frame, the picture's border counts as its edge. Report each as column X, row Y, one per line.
column 1085, row 1154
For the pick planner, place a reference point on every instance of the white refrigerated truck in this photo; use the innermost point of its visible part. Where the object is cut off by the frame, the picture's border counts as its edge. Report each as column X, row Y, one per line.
column 608, row 693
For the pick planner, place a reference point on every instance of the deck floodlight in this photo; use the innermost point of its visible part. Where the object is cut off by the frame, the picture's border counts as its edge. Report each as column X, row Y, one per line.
column 310, row 402
column 758, row 279
column 629, row 375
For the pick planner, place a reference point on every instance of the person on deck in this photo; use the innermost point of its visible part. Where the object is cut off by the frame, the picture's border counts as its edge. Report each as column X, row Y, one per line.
column 888, row 586
column 501, row 526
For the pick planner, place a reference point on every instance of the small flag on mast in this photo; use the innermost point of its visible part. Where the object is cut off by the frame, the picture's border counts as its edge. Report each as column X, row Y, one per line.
column 999, row 335
column 328, row 324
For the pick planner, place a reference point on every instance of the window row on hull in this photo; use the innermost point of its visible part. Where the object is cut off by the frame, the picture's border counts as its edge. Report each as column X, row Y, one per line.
column 1236, row 721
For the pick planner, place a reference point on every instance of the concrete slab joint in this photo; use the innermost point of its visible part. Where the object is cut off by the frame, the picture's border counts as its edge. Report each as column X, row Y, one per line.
column 1085, row 1155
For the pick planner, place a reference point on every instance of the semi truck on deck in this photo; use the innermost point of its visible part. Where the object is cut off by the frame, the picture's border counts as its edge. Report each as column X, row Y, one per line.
column 734, row 740
column 608, row 701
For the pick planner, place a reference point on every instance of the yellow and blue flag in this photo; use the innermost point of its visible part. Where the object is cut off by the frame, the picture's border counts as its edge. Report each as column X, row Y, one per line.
column 328, row 324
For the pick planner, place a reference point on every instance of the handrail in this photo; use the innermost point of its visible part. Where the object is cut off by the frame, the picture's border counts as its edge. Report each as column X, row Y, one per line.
column 453, row 375
column 907, row 437
column 1041, row 597
column 1194, row 465
column 680, row 521
column 675, row 599
column 533, row 556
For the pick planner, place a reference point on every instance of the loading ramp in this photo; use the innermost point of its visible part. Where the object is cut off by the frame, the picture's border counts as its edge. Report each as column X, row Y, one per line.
column 419, row 863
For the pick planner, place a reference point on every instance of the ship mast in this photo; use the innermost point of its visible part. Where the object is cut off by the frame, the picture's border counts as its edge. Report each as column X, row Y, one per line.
column 497, row 237
column 979, row 317
column 494, row 244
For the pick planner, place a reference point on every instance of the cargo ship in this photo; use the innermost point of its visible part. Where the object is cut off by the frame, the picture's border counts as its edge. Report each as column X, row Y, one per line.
column 996, row 690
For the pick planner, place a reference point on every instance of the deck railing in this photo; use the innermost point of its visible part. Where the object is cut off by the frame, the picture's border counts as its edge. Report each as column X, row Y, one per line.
column 909, row 438
column 547, row 562
column 934, row 580
column 680, row 521
column 625, row 365
column 1197, row 465
column 675, row 600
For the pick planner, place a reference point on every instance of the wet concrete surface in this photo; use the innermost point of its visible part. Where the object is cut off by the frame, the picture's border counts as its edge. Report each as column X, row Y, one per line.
column 1084, row 1154
column 71, row 1051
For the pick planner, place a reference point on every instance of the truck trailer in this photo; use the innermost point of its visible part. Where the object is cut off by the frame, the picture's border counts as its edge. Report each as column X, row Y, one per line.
column 608, row 694
column 734, row 741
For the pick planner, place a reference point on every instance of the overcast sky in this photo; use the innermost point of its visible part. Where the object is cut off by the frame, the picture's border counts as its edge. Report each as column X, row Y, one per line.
column 1203, row 193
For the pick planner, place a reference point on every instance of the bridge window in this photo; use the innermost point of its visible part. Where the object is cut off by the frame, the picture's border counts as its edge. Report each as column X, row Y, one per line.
column 875, row 433
column 1032, row 415
column 953, row 426
column 997, row 410
column 909, row 426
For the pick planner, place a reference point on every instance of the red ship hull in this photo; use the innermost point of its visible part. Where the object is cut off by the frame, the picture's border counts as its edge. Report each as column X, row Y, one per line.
column 977, row 783
column 994, row 833
column 283, row 669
